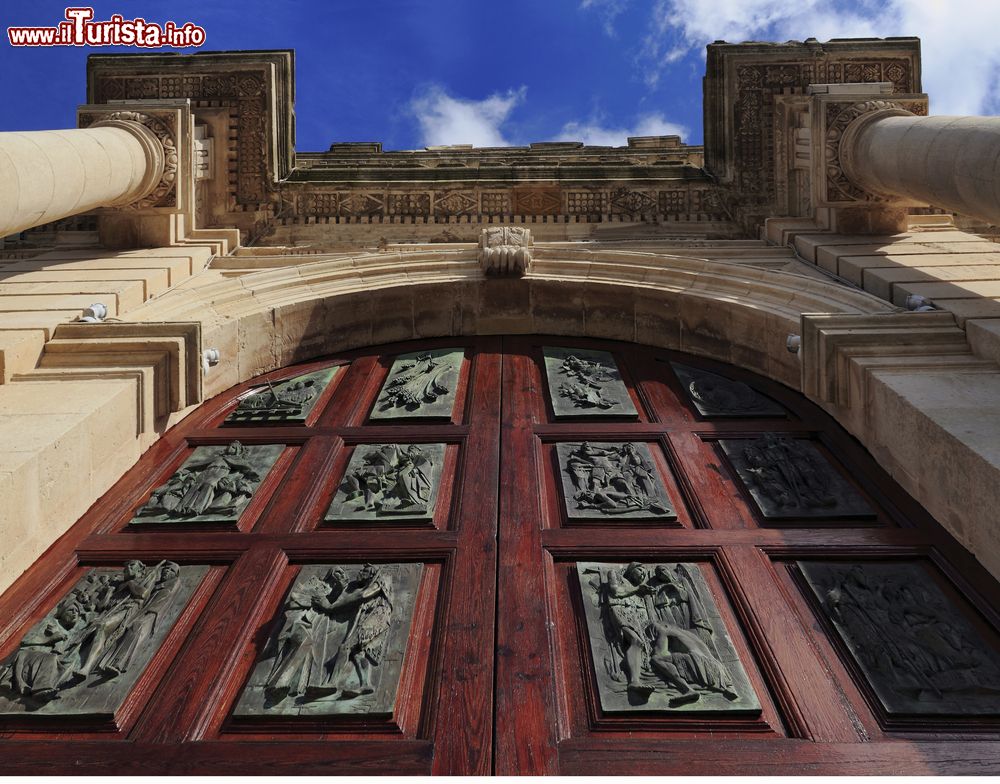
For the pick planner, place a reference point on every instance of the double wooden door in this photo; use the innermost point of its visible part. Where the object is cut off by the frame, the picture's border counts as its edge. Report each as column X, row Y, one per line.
column 504, row 555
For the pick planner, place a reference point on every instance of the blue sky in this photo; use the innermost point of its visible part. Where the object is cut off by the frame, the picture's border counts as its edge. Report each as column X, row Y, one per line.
column 415, row 72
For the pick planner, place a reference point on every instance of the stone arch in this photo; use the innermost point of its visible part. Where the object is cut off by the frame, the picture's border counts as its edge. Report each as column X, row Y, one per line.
column 867, row 363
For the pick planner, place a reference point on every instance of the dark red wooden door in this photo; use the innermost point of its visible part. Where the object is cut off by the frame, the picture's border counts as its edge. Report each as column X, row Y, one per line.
column 511, row 660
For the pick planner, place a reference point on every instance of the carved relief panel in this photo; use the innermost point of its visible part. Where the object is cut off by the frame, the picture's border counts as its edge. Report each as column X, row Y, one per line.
column 713, row 395
column 420, row 385
column 584, row 382
column 657, row 641
column 387, row 482
column 87, row 653
column 286, row 402
column 918, row 651
column 789, row 478
column 613, row 481
column 214, row 485
column 337, row 647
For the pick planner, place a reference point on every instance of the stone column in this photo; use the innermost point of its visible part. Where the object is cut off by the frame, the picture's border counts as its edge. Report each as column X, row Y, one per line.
column 49, row 175
column 949, row 162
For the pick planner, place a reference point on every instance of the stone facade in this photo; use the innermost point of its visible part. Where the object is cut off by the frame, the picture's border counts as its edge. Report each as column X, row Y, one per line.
column 268, row 257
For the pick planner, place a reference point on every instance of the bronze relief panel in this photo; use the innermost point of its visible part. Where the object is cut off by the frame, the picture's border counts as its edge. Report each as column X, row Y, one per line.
column 789, row 478
column 713, row 395
column 658, row 643
column 87, row 653
column 613, row 481
column 421, row 385
column 337, row 647
column 286, row 402
column 214, row 485
column 389, row 482
column 919, row 652
column 586, row 383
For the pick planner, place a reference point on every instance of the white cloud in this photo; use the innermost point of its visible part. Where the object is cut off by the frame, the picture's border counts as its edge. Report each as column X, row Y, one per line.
column 593, row 132
column 608, row 9
column 445, row 119
column 961, row 60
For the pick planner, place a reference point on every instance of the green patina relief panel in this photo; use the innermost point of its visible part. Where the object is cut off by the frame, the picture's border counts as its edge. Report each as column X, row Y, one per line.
column 421, row 385
column 586, row 383
column 658, row 643
column 87, row 653
column 338, row 645
column 286, row 402
column 389, row 482
column 214, row 485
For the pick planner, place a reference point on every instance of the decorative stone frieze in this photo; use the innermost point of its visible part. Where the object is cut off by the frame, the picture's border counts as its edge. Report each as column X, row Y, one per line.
column 505, row 251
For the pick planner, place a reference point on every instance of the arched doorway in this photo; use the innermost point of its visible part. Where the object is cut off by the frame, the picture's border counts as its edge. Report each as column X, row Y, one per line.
column 503, row 554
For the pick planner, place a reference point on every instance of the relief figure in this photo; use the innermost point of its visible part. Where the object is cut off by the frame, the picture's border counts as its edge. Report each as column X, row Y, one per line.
column 586, row 383
column 329, row 653
column 389, row 480
column 612, row 479
column 655, row 643
column 214, row 484
column 106, row 628
column 919, row 652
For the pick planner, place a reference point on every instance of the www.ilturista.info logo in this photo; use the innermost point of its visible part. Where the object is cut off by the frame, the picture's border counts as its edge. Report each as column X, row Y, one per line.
column 79, row 30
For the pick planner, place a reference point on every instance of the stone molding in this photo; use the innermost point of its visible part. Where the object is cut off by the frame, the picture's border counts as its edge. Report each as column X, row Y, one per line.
column 505, row 251
column 839, row 352
column 163, row 358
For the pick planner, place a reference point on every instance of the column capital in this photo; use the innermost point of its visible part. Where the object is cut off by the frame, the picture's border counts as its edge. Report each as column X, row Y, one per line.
column 841, row 138
column 157, row 132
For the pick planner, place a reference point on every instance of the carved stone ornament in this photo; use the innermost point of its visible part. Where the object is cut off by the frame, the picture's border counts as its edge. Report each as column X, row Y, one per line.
column 585, row 383
column 337, row 647
column 658, row 643
column 214, row 485
column 713, row 395
column 389, row 482
column 843, row 126
column 420, row 385
column 613, row 481
column 789, row 478
column 505, row 251
column 918, row 650
column 86, row 654
column 286, row 402
column 166, row 137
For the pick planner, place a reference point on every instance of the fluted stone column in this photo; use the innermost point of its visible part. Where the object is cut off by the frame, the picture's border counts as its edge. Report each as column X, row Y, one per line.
column 49, row 175
column 949, row 162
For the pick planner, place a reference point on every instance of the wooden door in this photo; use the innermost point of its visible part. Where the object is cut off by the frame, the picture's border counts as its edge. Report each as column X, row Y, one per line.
column 511, row 555
column 199, row 704
column 797, row 546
